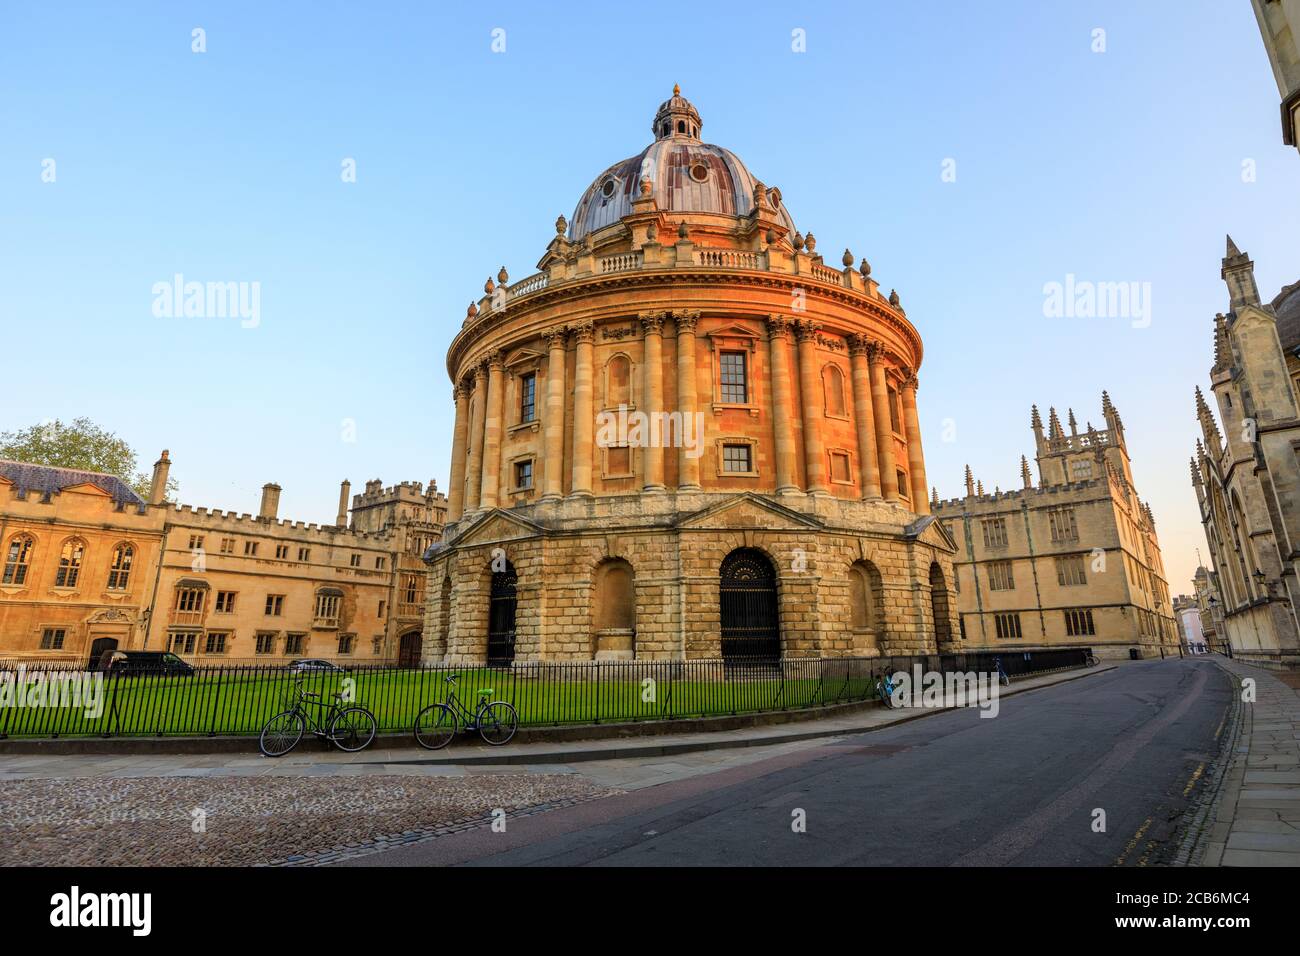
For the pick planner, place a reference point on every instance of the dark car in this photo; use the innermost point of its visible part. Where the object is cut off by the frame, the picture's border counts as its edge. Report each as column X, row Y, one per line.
column 133, row 663
column 313, row 664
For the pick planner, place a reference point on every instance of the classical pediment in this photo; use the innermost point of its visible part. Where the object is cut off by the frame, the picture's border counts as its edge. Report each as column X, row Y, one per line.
column 928, row 530
column 85, row 488
column 497, row 525
column 749, row 511
column 523, row 356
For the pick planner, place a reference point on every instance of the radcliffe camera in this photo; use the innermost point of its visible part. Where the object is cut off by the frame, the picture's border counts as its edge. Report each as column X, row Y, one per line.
column 574, row 436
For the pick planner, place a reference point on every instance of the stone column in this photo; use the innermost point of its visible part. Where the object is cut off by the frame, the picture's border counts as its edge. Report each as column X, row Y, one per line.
column 884, row 429
column 864, row 419
column 652, row 328
column 474, row 467
column 688, row 465
column 778, row 343
column 810, row 388
column 553, row 436
column 456, row 493
column 915, row 456
column 584, row 421
column 494, row 420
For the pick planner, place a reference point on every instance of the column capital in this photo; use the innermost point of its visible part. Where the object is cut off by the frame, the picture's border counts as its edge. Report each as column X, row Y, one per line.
column 805, row 330
column 583, row 332
column 778, row 327
column 686, row 320
column 858, row 343
column 908, row 381
column 555, row 337
column 495, row 360
column 875, row 351
column 652, row 323
column 457, row 392
column 480, row 372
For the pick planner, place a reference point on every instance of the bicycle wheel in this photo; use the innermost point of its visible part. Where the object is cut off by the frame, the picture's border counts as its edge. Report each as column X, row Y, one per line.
column 435, row 726
column 281, row 733
column 497, row 722
column 353, row 728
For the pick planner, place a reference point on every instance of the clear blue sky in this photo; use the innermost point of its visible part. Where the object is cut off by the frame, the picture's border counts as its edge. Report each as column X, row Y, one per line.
column 225, row 166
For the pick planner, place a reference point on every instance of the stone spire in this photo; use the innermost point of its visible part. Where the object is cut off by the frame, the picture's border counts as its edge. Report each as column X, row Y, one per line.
column 970, row 483
column 1213, row 439
column 979, row 488
column 1036, row 423
column 1026, row 475
column 1222, row 348
column 1196, row 474
column 1239, row 274
column 1074, row 425
column 1054, row 424
column 934, row 497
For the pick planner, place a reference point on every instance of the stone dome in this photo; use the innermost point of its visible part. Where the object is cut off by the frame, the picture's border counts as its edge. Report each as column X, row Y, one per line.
column 1287, row 309
column 687, row 176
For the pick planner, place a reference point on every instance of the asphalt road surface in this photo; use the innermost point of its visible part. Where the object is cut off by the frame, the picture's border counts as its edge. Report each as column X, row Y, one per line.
column 950, row 789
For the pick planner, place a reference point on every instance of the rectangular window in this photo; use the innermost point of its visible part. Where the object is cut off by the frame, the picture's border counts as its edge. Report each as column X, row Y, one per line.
column 904, row 486
column 304, row 554
column 1007, row 625
column 1081, row 470
column 1000, row 576
column 346, row 643
column 893, row 412
column 379, row 563
column 227, row 545
column 216, row 643
column 1078, row 622
column 183, row 642
column 327, row 607
column 52, row 638
column 1069, row 571
column 1063, row 524
column 383, row 606
column 281, row 552
column 995, row 532
column 196, row 542
column 524, row 474
column 265, row 643
column 355, row 561
column 274, row 605
column 294, row 643
column 840, row 467
column 411, row 588
column 225, row 602
column 528, row 397
column 250, row 548
column 735, row 382
column 190, row 600
column 736, row 458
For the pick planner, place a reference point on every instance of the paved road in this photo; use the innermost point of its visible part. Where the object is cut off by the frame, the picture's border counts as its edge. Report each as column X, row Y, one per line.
column 951, row 789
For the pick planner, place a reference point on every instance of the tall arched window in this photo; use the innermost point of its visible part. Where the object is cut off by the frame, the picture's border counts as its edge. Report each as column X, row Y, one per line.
column 119, row 572
column 18, row 557
column 833, row 380
column 74, row 549
column 618, row 381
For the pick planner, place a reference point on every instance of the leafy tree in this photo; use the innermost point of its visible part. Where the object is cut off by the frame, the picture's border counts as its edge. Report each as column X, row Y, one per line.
column 82, row 445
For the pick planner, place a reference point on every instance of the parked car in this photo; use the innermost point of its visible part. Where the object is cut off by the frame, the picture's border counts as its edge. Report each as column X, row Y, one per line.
column 313, row 664
column 133, row 663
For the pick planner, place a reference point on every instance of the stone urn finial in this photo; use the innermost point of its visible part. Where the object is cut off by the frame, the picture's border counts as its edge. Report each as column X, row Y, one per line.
column 847, row 259
column 865, row 268
column 488, row 286
column 503, row 277
column 561, row 224
column 652, row 232
column 682, row 231
column 811, row 240
column 798, row 241
column 472, row 310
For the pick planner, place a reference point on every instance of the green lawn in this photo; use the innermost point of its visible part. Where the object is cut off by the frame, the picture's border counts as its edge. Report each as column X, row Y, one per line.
column 231, row 701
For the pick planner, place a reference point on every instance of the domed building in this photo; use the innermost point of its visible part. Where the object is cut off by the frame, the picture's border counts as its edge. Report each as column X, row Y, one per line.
column 686, row 436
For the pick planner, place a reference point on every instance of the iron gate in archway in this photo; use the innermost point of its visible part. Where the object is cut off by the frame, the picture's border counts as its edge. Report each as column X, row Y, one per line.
column 751, row 625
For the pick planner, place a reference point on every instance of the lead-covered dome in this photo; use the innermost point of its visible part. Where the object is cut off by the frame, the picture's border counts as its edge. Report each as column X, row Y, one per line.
column 687, row 175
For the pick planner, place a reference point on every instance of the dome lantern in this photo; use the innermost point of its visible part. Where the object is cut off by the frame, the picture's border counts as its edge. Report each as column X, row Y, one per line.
column 677, row 116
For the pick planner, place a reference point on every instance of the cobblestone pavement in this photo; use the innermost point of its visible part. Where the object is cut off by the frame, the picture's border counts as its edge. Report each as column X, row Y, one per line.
column 209, row 820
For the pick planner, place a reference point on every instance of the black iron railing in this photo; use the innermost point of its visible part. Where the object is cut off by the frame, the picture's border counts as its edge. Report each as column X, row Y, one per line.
column 238, row 700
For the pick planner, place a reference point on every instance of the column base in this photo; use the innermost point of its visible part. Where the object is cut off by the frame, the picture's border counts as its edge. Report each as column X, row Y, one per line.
column 789, row 490
column 550, row 499
column 691, row 487
column 654, row 489
column 816, row 492
column 580, row 494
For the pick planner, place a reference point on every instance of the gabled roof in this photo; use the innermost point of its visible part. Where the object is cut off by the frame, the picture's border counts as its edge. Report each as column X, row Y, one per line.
column 46, row 480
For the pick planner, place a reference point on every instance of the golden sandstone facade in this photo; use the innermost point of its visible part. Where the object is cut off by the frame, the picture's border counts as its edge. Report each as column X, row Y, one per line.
column 89, row 566
column 1247, row 477
column 686, row 436
column 1072, row 562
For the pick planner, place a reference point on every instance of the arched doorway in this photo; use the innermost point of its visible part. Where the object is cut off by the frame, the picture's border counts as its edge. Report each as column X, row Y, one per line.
column 97, row 649
column 408, row 650
column 501, row 617
column 939, row 607
column 751, row 625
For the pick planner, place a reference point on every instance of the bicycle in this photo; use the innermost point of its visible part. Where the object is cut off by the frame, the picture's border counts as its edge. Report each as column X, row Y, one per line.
column 885, row 690
column 1003, row 679
column 1091, row 660
column 348, row 728
column 435, row 726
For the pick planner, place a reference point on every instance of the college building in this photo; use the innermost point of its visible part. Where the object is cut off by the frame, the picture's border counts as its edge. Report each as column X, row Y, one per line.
column 88, row 566
column 1071, row 561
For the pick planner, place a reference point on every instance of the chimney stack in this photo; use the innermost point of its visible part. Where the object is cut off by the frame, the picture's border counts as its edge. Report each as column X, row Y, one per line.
column 270, row 502
column 158, row 487
column 345, row 496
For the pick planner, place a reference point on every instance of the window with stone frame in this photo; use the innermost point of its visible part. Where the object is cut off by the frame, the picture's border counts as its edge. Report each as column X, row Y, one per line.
column 523, row 473
column 327, row 607
column 216, row 642
column 295, row 643
column 904, row 485
column 274, row 605
column 119, row 570
column 190, row 600
column 1001, row 576
column 995, row 532
column 1070, row 571
column 1078, row 622
column 346, row 643
column 528, row 397
column 225, row 603
column 737, row 458
column 52, row 638
column 183, row 642
column 1007, row 626
column 895, row 413
column 1063, row 524
column 281, row 552
column 227, row 546
column 841, row 472
column 265, row 642
column 70, row 558
column 733, row 377
column 18, row 557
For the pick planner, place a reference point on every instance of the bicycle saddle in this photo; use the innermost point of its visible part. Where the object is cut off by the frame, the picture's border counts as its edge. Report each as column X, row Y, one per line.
column 484, row 690
column 310, row 693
